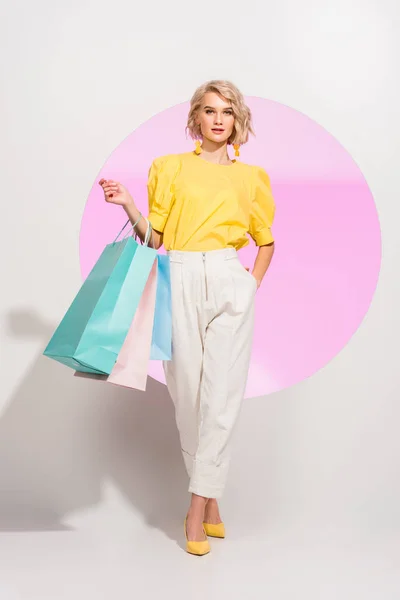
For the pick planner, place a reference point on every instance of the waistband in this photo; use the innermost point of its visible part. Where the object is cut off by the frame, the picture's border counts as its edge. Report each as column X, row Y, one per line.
column 208, row 255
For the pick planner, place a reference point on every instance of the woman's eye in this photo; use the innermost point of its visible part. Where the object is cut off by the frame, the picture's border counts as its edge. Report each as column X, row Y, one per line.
column 208, row 111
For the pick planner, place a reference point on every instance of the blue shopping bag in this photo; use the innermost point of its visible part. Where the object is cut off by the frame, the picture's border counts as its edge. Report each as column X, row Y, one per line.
column 161, row 344
column 92, row 332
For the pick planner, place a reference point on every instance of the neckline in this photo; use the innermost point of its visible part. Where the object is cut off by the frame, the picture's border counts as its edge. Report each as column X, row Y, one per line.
column 197, row 157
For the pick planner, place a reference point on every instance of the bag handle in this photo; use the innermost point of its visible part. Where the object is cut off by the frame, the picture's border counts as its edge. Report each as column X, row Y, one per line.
column 121, row 231
column 149, row 231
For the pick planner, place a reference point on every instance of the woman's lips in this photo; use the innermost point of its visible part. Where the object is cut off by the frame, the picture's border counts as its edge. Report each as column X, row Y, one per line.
column 218, row 130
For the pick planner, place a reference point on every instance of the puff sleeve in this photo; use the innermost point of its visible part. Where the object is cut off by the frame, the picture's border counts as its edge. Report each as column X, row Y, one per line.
column 262, row 209
column 161, row 176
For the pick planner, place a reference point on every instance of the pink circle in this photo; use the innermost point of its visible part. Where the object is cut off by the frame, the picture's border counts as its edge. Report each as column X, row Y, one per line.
column 328, row 245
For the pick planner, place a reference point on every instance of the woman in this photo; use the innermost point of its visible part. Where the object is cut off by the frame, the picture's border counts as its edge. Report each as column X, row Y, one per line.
column 202, row 205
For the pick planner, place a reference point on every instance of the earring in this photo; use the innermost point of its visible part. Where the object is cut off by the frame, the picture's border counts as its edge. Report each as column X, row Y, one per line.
column 236, row 146
column 198, row 147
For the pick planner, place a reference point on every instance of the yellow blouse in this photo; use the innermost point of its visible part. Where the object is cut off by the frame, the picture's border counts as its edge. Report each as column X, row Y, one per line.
column 200, row 206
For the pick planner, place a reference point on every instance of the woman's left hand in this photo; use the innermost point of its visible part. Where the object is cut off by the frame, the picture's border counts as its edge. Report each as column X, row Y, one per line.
column 258, row 282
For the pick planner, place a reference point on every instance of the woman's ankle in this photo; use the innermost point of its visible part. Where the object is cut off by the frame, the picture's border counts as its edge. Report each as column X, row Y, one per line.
column 197, row 505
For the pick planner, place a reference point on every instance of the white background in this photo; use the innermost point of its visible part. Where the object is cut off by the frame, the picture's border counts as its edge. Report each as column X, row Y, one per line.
column 92, row 485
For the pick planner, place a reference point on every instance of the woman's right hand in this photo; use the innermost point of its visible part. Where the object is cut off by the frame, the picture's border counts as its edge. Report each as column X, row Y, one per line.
column 115, row 192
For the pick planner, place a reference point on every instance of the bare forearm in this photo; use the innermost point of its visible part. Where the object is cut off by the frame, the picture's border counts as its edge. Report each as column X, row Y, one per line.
column 262, row 262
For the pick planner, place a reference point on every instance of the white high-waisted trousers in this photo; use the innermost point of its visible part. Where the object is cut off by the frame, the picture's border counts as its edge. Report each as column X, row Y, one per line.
column 212, row 331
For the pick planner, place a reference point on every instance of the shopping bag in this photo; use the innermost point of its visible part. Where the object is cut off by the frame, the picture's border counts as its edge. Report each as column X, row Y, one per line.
column 92, row 332
column 130, row 369
column 161, row 345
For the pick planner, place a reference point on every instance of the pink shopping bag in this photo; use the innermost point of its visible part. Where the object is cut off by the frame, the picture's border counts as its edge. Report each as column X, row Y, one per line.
column 130, row 368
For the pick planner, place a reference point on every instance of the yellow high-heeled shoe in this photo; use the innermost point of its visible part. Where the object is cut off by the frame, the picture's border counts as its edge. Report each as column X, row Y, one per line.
column 198, row 548
column 212, row 530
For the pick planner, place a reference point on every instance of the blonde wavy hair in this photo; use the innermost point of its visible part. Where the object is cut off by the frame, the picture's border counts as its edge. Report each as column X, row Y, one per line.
column 243, row 119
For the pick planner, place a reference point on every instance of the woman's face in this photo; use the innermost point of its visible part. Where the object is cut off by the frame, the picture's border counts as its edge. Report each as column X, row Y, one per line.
column 216, row 118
